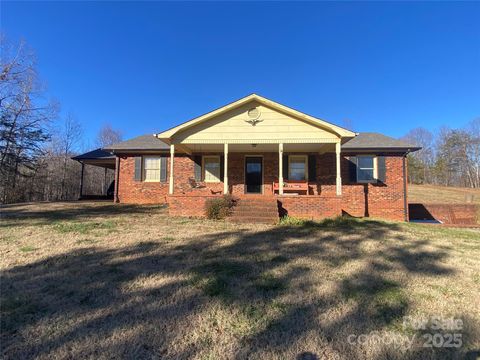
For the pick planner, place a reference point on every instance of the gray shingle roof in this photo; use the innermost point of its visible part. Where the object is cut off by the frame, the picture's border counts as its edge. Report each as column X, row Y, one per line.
column 363, row 141
column 143, row 142
column 99, row 154
column 371, row 141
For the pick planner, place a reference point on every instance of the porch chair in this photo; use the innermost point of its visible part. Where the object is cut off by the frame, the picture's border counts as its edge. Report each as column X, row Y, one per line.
column 193, row 183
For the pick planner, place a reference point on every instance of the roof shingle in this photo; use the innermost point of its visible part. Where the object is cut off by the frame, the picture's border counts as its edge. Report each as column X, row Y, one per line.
column 94, row 155
column 363, row 141
column 143, row 142
column 372, row 140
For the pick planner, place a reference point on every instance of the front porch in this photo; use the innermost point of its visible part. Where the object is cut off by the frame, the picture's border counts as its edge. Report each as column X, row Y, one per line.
column 299, row 179
column 255, row 169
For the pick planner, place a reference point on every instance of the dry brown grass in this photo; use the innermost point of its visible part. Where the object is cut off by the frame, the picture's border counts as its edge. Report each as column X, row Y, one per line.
column 434, row 194
column 86, row 280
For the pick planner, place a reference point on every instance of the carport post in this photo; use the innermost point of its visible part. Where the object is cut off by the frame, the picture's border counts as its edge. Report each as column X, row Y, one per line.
column 117, row 177
column 105, row 182
column 81, row 180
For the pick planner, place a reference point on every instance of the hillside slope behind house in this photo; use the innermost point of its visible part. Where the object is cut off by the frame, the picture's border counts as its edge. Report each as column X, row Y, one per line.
column 434, row 194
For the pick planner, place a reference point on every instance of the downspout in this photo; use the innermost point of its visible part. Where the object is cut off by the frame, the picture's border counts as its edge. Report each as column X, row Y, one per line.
column 405, row 203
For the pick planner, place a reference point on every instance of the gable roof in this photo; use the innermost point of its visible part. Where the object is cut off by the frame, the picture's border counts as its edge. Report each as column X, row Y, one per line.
column 377, row 141
column 166, row 135
column 143, row 142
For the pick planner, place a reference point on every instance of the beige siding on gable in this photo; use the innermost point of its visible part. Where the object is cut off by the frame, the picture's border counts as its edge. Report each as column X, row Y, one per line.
column 274, row 127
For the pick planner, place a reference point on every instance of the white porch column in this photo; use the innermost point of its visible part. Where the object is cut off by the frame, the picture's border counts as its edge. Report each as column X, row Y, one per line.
column 339, row 172
column 172, row 156
column 280, row 169
column 225, row 169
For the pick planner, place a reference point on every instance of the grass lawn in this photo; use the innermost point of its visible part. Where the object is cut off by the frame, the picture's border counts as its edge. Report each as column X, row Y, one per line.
column 433, row 194
column 96, row 280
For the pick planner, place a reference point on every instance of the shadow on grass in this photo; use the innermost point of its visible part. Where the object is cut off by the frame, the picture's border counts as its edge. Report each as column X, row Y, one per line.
column 254, row 273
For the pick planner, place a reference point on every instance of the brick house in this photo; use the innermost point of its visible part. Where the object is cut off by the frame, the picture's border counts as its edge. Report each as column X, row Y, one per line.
column 267, row 155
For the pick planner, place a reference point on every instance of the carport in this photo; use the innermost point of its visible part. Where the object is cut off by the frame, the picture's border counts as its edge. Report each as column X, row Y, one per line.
column 100, row 158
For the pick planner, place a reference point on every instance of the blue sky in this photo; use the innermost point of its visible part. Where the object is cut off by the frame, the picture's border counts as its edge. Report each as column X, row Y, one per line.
column 143, row 67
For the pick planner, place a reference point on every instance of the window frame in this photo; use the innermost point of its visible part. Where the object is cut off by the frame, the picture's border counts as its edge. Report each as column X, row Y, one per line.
column 144, row 168
column 375, row 169
column 204, row 172
column 306, row 166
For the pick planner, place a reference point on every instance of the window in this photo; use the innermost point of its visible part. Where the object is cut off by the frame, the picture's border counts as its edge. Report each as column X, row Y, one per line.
column 151, row 168
column 297, row 167
column 366, row 168
column 211, row 166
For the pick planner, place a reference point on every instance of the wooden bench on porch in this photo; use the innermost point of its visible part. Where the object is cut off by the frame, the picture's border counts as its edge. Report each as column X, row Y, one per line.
column 292, row 185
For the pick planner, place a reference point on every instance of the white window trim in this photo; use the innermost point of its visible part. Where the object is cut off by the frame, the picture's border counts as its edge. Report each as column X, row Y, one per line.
column 375, row 169
column 306, row 165
column 144, row 169
column 203, row 169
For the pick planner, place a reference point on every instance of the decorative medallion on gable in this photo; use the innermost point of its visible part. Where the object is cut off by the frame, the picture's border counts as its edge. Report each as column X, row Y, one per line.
column 253, row 116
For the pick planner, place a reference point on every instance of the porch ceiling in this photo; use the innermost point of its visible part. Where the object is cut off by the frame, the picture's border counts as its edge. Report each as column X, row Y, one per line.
column 104, row 163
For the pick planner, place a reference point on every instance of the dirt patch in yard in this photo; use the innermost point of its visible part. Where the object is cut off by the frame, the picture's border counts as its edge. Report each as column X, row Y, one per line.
column 107, row 281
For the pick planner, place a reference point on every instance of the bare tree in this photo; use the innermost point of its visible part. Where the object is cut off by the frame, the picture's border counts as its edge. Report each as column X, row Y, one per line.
column 347, row 124
column 422, row 160
column 108, row 136
column 457, row 160
column 65, row 144
column 24, row 116
column 473, row 151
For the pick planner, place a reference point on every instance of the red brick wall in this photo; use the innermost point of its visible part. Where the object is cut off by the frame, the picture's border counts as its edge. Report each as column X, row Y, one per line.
column 188, row 205
column 236, row 172
column 183, row 171
column 462, row 214
column 375, row 200
column 310, row 207
column 138, row 192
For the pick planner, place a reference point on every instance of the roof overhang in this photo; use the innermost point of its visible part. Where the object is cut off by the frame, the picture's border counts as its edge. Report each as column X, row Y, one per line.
column 139, row 151
column 98, row 157
column 108, row 163
column 380, row 150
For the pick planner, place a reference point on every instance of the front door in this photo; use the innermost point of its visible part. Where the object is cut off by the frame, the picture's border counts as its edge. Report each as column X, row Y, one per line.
column 253, row 175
